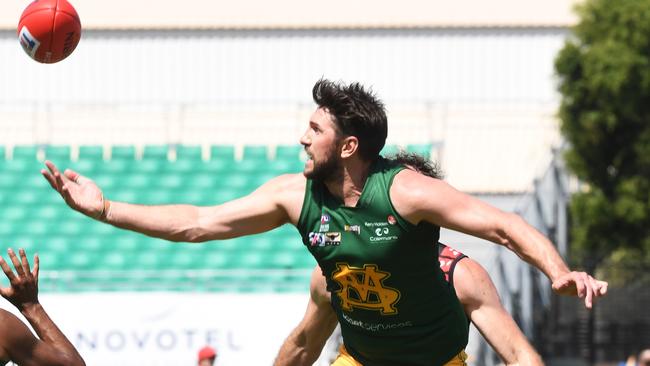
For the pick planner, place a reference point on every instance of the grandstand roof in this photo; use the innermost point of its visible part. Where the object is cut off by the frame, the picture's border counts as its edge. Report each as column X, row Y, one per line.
column 281, row 14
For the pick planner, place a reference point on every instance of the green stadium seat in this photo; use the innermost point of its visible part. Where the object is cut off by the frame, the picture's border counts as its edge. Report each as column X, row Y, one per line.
column 170, row 181
column 60, row 244
column 14, row 213
column 421, row 149
column 201, row 180
column 86, row 167
column 222, row 152
column 137, row 181
column 91, row 153
column 115, row 166
column 125, row 243
column 50, row 260
column 188, row 153
column 6, row 229
column 92, row 242
column 123, row 195
column 289, row 152
column 58, row 154
column 155, row 197
column 107, row 181
column 9, row 180
column 45, row 212
column 114, row 261
column 125, row 152
column 390, row 150
column 261, row 242
column 284, row 259
column 82, row 260
column 255, row 152
column 27, row 153
column 69, row 227
column 155, row 152
column 150, row 166
column 146, row 260
column 250, row 259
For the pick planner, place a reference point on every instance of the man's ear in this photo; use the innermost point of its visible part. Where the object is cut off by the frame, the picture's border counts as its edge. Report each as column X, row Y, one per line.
column 349, row 146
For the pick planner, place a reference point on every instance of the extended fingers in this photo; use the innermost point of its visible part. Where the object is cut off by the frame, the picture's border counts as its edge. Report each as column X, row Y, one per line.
column 71, row 175
column 603, row 287
column 76, row 177
column 59, row 178
column 579, row 281
column 37, row 266
column 24, row 262
column 560, row 284
column 50, row 179
column 16, row 262
column 7, row 270
column 590, row 290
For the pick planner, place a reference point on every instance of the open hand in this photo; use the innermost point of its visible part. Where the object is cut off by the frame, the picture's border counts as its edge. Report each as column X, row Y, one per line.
column 79, row 192
column 582, row 285
column 23, row 285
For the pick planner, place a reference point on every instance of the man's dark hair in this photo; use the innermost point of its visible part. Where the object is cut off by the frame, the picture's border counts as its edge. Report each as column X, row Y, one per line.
column 356, row 112
column 418, row 163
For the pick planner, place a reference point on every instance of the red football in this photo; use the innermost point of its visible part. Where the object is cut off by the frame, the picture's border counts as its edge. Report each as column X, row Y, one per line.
column 49, row 30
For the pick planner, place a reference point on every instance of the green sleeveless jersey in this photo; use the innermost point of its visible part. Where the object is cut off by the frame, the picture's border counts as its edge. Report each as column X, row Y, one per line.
column 388, row 290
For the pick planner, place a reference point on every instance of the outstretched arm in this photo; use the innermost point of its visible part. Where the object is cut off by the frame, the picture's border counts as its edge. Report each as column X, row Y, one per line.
column 419, row 198
column 22, row 347
column 480, row 299
column 306, row 341
column 273, row 204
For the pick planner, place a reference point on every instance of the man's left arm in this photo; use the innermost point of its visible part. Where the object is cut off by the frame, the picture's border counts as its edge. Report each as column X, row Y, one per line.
column 483, row 307
column 305, row 343
column 419, row 198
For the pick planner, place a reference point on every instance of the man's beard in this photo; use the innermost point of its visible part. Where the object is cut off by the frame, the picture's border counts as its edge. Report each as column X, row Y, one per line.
column 327, row 170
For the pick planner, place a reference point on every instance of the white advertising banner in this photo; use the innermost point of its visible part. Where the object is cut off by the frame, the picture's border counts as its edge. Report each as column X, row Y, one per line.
column 168, row 329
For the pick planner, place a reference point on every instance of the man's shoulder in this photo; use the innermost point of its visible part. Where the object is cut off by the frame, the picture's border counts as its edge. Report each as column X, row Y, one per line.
column 411, row 191
column 294, row 181
column 5, row 317
column 287, row 191
column 10, row 327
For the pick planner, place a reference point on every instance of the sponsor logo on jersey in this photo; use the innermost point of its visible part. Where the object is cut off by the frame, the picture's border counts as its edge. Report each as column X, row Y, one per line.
column 382, row 234
column 376, row 224
column 363, row 288
column 325, row 218
column 29, row 43
column 325, row 239
column 391, row 220
column 376, row 327
column 352, row 228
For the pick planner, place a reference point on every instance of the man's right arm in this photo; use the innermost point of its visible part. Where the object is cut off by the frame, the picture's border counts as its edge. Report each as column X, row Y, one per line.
column 305, row 343
column 275, row 203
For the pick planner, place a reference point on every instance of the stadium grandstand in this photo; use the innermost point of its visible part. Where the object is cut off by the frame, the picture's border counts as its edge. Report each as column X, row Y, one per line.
column 201, row 103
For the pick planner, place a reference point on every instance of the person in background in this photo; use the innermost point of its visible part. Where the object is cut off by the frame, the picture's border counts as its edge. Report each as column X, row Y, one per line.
column 644, row 357
column 207, row 355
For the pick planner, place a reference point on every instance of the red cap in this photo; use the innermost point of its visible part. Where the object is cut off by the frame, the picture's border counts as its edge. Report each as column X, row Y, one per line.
column 206, row 353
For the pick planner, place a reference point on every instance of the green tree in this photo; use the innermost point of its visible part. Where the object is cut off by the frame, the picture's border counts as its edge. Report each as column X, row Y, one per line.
column 604, row 79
